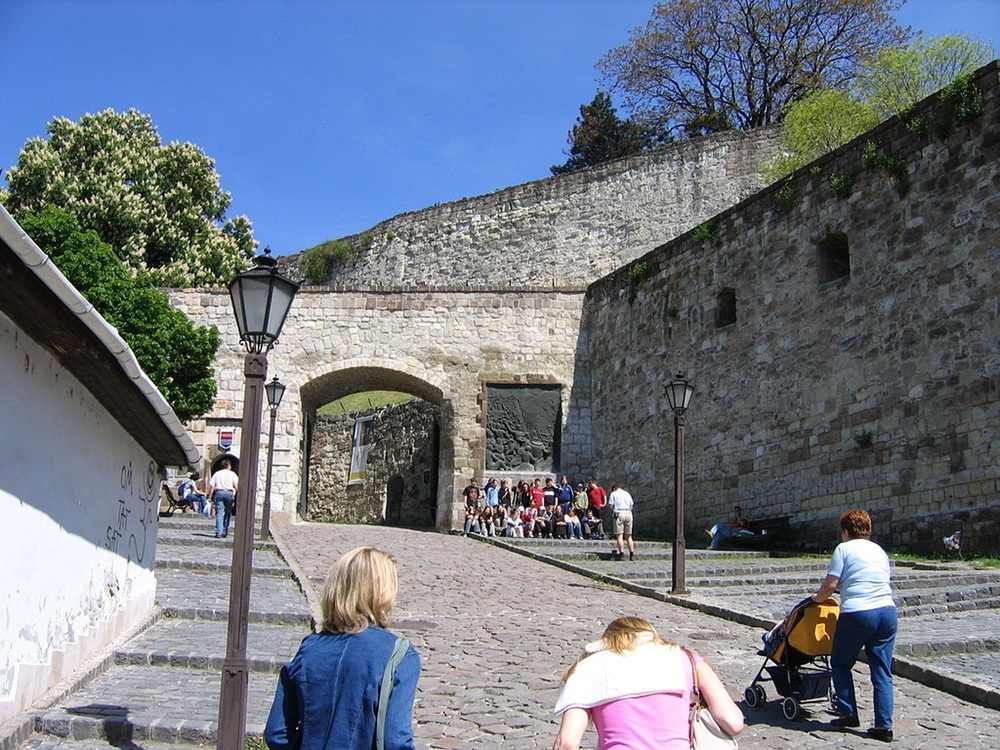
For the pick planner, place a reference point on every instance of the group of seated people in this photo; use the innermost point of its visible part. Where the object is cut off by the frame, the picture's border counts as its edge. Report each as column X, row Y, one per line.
column 552, row 511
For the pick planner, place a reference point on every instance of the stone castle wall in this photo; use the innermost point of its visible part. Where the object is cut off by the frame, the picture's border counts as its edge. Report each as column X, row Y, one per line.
column 879, row 390
column 403, row 447
column 562, row 231
column 443, row 347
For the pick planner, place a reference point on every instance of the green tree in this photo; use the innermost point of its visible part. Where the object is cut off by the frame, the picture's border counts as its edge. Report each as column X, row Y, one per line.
column 816, row 125
column 599, row 135
column 705, row 65
column 160, row 206
column 899, row 77
column 177, row 355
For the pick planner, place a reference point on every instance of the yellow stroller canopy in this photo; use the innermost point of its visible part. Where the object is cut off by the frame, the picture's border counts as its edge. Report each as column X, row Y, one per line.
column 811, row 630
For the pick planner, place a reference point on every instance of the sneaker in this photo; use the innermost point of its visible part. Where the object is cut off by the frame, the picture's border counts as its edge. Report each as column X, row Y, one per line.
column 218, row 535
column 844, row 722
column 880, row 733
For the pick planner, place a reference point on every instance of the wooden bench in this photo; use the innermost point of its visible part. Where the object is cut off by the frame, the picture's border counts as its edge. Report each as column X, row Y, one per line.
column 173, row 503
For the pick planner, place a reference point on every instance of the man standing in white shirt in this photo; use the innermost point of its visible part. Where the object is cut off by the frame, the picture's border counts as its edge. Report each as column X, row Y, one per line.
column 621, row 503
column 222, row 492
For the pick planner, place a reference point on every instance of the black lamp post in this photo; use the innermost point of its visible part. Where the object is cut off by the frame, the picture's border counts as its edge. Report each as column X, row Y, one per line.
column 261, row 299
column 275, row 389
column 679, row 391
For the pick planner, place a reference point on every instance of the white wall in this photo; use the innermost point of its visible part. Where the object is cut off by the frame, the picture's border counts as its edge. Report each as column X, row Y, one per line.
column 78, row 503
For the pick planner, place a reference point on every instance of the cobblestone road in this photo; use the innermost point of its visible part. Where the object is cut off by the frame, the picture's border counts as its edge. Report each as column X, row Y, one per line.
column 496, row 630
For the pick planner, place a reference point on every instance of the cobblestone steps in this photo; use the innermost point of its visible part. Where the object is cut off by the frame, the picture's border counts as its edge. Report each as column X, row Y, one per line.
column 163, row 688
column 205, row 596
column 202, row 645
column 217, row 560
column 204, row 537
column 163, row 704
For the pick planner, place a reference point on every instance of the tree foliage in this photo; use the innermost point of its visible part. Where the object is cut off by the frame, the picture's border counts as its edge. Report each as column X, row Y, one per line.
column 818, row 124
column 897, row 78
column 706, row 65
column 599, row 135
column 160, row 206
column 177, row 355
column 900, row 77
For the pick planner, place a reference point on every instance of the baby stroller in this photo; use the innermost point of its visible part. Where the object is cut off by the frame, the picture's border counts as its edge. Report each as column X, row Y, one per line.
column 799, row 651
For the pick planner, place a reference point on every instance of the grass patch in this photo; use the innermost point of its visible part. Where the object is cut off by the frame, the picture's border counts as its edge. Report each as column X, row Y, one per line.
column 364, row 401
column 916, row 557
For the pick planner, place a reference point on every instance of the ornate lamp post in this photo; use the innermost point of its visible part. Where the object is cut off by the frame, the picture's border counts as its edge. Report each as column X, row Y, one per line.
column 679, row 392
column 261, row 299
column 275, row 389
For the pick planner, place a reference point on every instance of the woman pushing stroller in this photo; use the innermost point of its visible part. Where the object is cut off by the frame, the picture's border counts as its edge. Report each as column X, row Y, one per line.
column 860, row 568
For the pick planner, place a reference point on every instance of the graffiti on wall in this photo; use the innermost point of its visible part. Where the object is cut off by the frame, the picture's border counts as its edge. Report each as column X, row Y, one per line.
column 134, row 521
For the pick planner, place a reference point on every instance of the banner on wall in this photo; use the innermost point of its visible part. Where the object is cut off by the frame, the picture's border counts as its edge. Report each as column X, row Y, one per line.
column 226, row 439
column 359, row 453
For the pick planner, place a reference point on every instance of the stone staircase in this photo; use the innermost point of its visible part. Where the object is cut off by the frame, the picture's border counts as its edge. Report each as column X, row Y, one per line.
column 950, row 612
column 163, row 688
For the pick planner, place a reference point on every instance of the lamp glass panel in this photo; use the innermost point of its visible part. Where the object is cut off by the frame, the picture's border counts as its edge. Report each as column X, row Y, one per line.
column 281, row 302
column 688, row 392
column 672, row 395
column 255, row 287
column 275, row 390
column 234, row 294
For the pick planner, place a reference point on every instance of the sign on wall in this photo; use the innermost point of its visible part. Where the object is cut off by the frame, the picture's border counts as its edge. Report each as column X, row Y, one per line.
column 359, row 453
column 226, row 439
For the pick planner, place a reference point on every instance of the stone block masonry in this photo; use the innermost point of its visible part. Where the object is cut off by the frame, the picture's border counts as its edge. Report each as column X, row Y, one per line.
column 444, row 347
column 863, row 367
column 402, row 467
column 561, row 231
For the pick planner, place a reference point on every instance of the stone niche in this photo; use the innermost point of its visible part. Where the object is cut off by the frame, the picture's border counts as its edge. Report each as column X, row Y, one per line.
column 522, row 427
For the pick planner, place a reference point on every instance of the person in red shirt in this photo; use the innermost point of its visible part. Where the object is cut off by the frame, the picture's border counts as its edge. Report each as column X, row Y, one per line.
column 537, row 494
column 598, row 497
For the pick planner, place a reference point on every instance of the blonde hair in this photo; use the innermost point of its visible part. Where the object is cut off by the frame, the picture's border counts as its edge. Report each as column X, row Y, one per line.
column 359, row 591
column 622, row 635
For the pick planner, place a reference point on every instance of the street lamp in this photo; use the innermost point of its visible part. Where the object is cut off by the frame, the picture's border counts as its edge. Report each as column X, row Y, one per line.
column 261, row 299
column 275, row 389
column 679, row 392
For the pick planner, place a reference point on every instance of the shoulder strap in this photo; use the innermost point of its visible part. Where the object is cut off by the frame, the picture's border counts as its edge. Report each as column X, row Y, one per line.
column 695, row 695
column 388, row 677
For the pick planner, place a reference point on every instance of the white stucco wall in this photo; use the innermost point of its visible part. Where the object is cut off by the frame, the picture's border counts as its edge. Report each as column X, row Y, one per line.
column 78, row 503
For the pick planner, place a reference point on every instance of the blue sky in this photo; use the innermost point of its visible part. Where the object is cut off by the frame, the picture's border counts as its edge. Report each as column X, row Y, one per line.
column 325, row 118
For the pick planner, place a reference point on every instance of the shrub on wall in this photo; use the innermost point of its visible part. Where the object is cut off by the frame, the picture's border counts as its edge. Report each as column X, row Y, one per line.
column 176, row 354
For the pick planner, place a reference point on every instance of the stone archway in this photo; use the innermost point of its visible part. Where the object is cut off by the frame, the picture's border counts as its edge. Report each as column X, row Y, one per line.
column 353, row 378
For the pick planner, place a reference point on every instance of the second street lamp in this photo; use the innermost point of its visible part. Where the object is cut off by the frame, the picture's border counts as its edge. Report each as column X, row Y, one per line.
column 275, row 390
column 679, row 392
column 261, row 299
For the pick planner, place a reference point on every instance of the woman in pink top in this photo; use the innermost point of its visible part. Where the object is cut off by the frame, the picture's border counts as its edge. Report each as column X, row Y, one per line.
column 637, row 689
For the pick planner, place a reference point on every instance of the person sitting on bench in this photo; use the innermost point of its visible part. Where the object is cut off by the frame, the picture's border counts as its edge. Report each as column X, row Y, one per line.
column 723, row 532
column 187, row 491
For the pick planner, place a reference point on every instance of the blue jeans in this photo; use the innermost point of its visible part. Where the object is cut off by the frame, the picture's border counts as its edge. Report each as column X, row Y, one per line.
column 223, row 500
column 875, row 630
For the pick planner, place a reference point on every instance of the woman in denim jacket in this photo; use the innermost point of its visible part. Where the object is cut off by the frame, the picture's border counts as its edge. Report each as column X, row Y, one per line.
column 327, row 696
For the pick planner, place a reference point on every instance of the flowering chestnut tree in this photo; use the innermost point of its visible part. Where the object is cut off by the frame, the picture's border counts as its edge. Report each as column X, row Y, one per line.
column 160, row 206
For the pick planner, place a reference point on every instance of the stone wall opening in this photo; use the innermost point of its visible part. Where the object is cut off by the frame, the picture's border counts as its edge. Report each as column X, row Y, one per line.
column 380, row 461
column 834, row 256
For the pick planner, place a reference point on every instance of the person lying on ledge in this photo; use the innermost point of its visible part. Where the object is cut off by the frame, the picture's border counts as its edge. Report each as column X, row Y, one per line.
column 723, row 532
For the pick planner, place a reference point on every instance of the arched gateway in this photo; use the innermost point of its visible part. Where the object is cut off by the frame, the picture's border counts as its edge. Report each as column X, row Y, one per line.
column 457, row 349
column 381, row 375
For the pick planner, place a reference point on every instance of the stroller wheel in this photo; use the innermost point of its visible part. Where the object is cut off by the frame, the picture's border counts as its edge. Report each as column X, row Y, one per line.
column 761, row 695
column 751, row 697
column 790, row 708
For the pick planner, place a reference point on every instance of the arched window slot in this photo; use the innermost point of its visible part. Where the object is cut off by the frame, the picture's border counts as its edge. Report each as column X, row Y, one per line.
column 834, row 258
column 725, row 308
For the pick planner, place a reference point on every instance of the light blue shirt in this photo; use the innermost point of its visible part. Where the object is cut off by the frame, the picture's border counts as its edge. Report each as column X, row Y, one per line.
column 863, row 569
column 493, row 495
